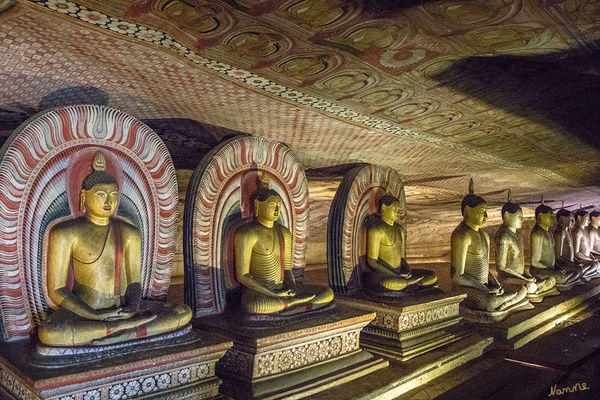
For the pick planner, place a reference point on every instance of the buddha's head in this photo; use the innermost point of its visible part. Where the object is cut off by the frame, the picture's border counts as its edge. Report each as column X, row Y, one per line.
column 99, row 190
column 267, row 205
column 563, row 218
column 544, row 216
column 595, row 218
column 389, row 206
column 473, row 208
column 512, row 215
column 583, row 218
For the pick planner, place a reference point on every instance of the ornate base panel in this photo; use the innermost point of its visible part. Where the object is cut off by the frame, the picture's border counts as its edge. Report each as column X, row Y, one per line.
column 520, row 328
column 293, row 360
column 410, row 326
column 168, row 373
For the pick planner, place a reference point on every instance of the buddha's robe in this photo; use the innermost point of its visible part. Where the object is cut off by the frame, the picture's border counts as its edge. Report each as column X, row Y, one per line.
column 476, row 267
column 545, row 253
column 510, row 259
column 269, row 269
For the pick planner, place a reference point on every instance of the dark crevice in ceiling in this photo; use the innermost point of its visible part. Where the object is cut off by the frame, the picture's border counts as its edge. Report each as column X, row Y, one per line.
column 558, row 89
column 188, row 140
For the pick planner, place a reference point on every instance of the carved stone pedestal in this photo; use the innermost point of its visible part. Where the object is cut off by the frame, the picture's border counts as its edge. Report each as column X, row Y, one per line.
column 409, row 326
column 293, row 359
column 520, row 328
column 177, row 368
column 403, row 376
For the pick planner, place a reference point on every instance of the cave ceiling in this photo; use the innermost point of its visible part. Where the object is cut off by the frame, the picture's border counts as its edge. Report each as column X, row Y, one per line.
column 502, row 91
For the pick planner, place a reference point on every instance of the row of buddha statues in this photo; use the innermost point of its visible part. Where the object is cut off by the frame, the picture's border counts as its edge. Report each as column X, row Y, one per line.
column 93, row 263
column 560, row 258
column 104, row 304
column 95, row 258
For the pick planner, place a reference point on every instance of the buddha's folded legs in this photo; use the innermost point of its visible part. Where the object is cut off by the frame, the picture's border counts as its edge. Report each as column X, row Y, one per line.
column 543, row 285
column 479, row 300
column 568, row 278
column 429, row 277
column 519, row 291
column 308, row 298
column 589, row 269
column 531, row 287
column 64, row 328
column 420, row 277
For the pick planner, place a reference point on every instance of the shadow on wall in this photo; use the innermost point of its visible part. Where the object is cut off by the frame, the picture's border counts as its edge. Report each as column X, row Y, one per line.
column 553, row 89
column 187, row 140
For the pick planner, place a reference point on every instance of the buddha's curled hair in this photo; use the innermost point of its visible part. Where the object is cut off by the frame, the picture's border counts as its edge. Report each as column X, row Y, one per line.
column 99, row 176
column 264, row 192
column 387, row 200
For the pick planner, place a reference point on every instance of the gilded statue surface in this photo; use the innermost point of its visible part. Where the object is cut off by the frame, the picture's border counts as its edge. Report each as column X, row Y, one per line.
column 510, row 258
column 104, row 304
column 386, row 253
column 543, row 257
column 263, row 264
column 469, row 248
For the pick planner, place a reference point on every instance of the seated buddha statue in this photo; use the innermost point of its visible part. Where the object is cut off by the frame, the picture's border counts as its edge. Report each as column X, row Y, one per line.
column 543, row 257
column 263, row 264
column 469, row 252
column 510, row 259
column 564, row 248
column 582, row 250
column 386, row 253
column 594, row 233
column 104, row 304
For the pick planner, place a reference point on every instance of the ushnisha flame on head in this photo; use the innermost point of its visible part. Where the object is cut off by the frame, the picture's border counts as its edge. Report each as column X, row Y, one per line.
column 471, row 200
column 542, row 208
column 99, row 174
column 509, row 206
column 264, row 192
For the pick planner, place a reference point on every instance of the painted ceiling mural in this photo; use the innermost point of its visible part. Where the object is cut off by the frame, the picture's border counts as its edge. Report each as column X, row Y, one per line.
column 504, row 91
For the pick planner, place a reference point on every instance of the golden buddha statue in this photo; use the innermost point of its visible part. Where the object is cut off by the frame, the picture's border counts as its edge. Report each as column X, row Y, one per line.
column 510, row 258
column 469, row 250
column 543, row 257
column 386, row 253
column 263, row 264
column 582, row 251
column 594, row 233
column 104, row 305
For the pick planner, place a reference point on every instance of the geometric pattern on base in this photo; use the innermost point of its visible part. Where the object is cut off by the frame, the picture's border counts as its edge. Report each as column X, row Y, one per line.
column 176, row 373
column 276, row 362
column 408, row 328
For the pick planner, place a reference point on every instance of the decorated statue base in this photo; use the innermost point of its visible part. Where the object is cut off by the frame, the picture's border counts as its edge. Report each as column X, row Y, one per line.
column 520, row 328
column 403, row 376
column 178, row 367
column 408, row 327
column 293, row 359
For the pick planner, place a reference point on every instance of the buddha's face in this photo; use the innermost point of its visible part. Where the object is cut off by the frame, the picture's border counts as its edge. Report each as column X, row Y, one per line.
column 595, row 220
column 583, row 220
column 564, row 221
column 514, row 220
column 101, row 200
column 476, row 215
column 268, row 209
column 391, row 212
column 545, row 219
